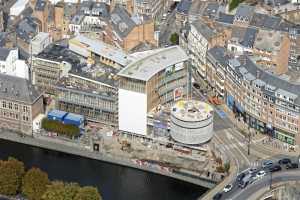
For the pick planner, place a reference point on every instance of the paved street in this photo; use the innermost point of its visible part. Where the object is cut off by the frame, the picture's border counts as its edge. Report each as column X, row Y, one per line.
column 252, row 189
column 167, row 27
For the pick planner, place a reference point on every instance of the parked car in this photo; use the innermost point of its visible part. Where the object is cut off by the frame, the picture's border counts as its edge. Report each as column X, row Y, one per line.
column 217, row 196
column 260, row 174
column 292, row 166
column 267, row 164
column 227, row 188
column 275, row 168
column 284, row 161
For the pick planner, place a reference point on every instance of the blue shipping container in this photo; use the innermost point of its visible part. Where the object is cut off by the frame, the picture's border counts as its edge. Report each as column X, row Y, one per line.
column 57, row 115
column 74, row 119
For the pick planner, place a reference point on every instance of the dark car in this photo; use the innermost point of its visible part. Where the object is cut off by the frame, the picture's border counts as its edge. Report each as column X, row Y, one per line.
column 284, row 161
column 267, row 164
column 292, row 166
column 196, row 85
column 240, row 177
column 217, row 196
column 275, row 168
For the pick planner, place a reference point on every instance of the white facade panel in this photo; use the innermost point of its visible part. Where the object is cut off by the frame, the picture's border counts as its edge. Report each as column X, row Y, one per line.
column 132, row 112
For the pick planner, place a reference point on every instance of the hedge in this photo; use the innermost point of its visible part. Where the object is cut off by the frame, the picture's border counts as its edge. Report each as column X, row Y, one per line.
column 60, row 128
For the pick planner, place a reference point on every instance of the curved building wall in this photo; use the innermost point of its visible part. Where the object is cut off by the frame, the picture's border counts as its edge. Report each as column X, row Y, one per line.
column 191, row 132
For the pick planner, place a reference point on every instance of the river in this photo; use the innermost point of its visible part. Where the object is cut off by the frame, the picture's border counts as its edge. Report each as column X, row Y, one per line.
column 113, row 181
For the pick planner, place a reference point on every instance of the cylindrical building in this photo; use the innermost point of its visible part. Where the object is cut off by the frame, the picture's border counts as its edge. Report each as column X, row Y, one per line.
column 191, row 122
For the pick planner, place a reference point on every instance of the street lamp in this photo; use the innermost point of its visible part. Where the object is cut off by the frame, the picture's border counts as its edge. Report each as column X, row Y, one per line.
column 249, row 140
column 271, row 180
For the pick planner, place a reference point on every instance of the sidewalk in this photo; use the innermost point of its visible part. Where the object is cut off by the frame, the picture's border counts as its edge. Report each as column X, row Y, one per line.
column 227, row 180
column 257, row 138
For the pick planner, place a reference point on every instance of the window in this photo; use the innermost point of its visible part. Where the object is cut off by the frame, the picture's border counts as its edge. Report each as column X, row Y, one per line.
column 16, row 107
column 3, row 104
column 10, row 105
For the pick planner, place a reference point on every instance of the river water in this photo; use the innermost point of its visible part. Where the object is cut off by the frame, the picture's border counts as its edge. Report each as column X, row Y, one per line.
column 113, row 181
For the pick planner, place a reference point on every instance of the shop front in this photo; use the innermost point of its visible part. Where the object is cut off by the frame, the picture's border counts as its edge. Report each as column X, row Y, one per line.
column 285, row 136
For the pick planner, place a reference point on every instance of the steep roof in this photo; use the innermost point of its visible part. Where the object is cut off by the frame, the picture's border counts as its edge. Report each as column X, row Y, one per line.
column 17, row 89
column 121, row 21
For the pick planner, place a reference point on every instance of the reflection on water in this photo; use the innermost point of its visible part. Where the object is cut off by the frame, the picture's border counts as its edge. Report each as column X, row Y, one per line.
column 114, row 182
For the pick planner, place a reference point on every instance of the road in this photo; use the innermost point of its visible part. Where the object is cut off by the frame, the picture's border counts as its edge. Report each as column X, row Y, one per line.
column 264, row 183
column 167, row 27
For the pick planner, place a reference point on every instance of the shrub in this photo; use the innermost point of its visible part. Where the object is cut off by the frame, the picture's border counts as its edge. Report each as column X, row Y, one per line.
column 60, row 128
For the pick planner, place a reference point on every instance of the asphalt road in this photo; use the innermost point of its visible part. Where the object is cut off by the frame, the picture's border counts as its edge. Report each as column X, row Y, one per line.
column 283, row 176
column 167, row 27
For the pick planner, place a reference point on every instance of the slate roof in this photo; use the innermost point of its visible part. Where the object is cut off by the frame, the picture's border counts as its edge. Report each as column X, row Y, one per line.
column 244, row 10
column 204, row 29
column 121, row 21
column 249, row 70
column 27, row 28
column 211, row 9
column 40, row 5
column 184, row 6
column 4, row 53
column 17, row 89
column 225, row 18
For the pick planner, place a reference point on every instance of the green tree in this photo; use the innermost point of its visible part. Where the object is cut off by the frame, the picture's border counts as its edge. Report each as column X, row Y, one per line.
column 88, row 193
column 61, row 191
column 60, row 128
column 174, row 39
column 35, row 184
column 234, row 3
column 19, row 168
column 227, row 167
column 8, row 179
column 11, row 174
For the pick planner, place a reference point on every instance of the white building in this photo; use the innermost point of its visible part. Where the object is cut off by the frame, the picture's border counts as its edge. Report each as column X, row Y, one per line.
column 37, row 122
column 198, row 45
column 40, row 42
column 10, row 65
column 18, row 7
column 191, row 122
column 157, row 77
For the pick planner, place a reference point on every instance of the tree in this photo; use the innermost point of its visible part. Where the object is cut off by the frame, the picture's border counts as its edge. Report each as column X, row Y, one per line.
column 88, row 193
column 227, row 167
column 11, row 174
column 35, row 184
column 19, row 168
column 234, row 3
column 58, row 127
column 174, row 39
column 8, row 179
column 61, row 191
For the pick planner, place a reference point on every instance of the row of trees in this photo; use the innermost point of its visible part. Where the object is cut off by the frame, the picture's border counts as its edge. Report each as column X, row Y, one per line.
column 68, row 130
column 35, row 185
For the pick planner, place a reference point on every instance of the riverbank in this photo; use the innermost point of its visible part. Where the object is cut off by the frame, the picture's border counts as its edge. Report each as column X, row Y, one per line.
column 71, row 148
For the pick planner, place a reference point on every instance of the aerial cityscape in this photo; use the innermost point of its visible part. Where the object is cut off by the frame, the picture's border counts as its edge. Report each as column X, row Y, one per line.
column 149, row 99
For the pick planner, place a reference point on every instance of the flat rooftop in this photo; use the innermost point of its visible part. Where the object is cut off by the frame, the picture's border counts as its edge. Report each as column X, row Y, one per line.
column 103, row 49
column 59, row 53
column 100, row 73
column 41, row 36
column 191, row 110
column 152, row 62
